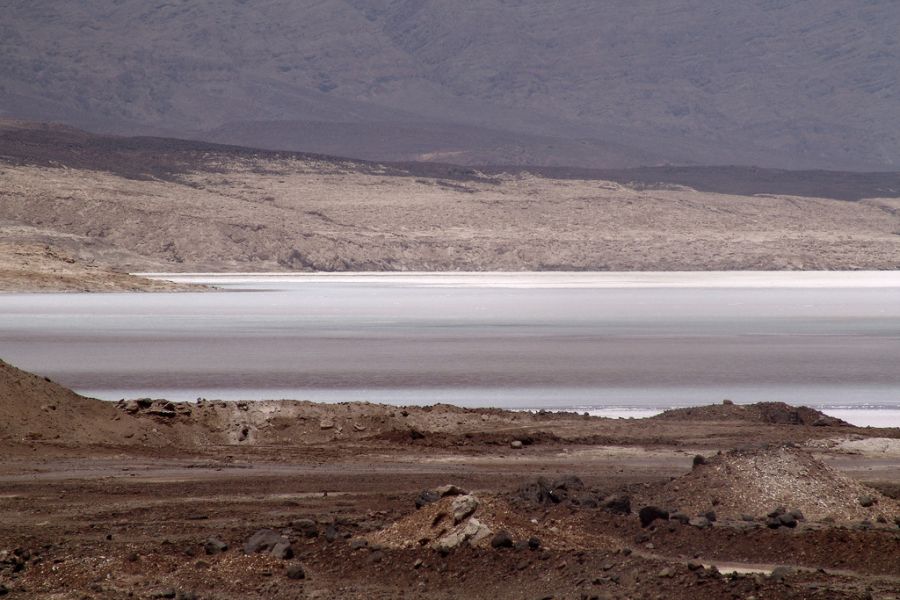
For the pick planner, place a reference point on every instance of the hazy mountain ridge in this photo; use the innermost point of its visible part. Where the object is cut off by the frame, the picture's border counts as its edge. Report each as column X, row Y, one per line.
column 609, row 84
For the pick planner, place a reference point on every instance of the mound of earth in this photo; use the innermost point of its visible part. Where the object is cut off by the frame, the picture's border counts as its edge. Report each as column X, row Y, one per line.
column 34, row 408
column 776, row 413
column 757, row 482
column 481, row 520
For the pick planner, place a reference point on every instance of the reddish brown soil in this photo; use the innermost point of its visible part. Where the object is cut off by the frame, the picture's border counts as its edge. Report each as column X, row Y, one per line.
column 98, row 513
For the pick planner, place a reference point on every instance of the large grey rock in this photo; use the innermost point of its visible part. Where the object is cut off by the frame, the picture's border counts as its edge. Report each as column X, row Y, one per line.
column 214, row 546
column 267, row 540
column 449, row 490
column 700, row 523
column 306, row 527
column 475, row 531
column 463, row 506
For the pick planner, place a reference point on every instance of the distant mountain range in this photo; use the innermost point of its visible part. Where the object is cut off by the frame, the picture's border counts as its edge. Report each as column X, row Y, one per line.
column 792, row 84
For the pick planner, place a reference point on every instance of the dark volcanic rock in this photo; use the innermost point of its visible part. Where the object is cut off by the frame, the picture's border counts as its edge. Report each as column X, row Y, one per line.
column 214, row 546
column 779, row 573
column 358, row 544
column 618, row 503
column 331, row 533
column 561, row 490
column 788, row 520
column 295, row 572
column 648, row 514
column 267, row 540
column 502, row 539
column 427, row 497
column 307, row 528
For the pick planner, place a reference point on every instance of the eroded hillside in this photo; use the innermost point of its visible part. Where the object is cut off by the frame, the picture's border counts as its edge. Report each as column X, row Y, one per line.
column 139, row 204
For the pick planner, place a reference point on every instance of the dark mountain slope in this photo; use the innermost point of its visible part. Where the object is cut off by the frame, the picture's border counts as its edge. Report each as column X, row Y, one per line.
column 596, row 84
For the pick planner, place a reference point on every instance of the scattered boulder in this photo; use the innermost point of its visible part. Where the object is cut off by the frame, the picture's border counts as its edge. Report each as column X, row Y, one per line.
column 267, row 540
column 699, row 459
column 463, row 506
column 619, row 504
column 214, row 546
column 681, row 517
column 476, row 531
column 331, row 533
column 358, row 544
column 534, row 543
column 295, row 572
column 282, row 550
column 307, row 528
column 516, row 445
column 556, row 492
column 502, row 540
column 326, row 423
column 866, row 501
column 161, row 408
column 648, row 514
column 449, row 490
column 787, row 520
column 700, row 523
column 427, row 497
column 779, row 573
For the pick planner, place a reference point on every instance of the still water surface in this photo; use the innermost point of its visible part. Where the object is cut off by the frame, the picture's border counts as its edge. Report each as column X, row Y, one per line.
column 608, row 343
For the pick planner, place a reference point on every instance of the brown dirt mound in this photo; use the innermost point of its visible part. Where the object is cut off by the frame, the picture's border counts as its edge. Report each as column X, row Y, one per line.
column 434, row 522
column 776, row 413
column 756, row 482
column 34, row 408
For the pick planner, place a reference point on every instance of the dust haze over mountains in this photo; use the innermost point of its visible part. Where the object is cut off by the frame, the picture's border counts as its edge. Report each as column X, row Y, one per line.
column 775, row 83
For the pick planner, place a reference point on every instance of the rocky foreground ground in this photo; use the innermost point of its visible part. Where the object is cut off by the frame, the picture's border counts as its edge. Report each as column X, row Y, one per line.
column 151, row 499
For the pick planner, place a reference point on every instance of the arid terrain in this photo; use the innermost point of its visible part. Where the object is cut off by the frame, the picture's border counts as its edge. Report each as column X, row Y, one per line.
column 146, row 204
column 150, row 499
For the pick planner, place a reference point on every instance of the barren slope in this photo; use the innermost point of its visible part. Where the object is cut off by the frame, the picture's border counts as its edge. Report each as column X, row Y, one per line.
column 166, row 205
column 38, row 268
